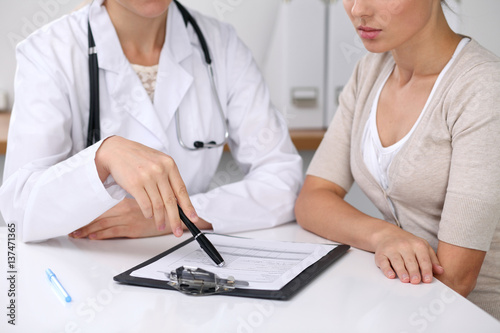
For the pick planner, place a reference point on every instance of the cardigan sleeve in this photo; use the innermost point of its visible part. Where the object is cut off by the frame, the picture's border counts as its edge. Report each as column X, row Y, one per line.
column 332, row 158
column 471, row 209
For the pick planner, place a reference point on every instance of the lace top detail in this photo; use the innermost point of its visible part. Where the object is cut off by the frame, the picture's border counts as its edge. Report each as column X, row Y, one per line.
column 147, row 75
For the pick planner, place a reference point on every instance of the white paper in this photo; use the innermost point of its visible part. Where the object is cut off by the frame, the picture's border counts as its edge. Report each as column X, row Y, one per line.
column 265, row 265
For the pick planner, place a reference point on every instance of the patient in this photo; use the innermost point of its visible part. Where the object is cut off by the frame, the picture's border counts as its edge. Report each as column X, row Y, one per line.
column 417, row 128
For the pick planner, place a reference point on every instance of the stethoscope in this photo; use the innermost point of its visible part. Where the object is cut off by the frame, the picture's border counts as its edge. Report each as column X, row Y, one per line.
column 93, row 134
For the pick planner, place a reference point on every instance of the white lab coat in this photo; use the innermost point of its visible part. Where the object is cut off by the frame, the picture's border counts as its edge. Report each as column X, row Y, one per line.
column 51, row 186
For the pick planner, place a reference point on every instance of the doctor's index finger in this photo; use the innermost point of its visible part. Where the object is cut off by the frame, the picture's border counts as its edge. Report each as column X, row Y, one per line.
column 170, row 202
column 179, row 191
column 157, row 204
column 182, row 195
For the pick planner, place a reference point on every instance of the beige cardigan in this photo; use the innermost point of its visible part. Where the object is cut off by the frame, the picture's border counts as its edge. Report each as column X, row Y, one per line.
column 445, row 181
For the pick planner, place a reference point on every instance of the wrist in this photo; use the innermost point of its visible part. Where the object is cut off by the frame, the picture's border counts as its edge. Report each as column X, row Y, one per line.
column 382, row 233
column 101, row 160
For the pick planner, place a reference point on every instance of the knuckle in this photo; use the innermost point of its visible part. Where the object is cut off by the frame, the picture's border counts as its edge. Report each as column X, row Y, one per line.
column 411, row 260
column 145, row 207
column 158, row 206
column 182, row 190
column 102, row 223
column 113, row 232
column 392, row 252
column 168, row 161
column 155, row 169
column 170, row 200
column 422, row 244
column 425, row 260
column 397, row 262
column 405, row 245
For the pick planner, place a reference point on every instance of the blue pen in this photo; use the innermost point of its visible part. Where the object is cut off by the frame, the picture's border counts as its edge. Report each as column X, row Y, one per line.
column 55, row 282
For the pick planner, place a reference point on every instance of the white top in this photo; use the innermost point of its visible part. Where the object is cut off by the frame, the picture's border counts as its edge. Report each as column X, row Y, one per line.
column 147, row 75
column 377, row 158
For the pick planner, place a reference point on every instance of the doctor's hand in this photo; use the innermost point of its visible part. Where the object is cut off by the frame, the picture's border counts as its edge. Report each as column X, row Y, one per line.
column 124, row 220
column 411, row 258
column 150, row 176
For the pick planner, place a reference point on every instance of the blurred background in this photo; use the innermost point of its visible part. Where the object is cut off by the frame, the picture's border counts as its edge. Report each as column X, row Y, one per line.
column 306, row 50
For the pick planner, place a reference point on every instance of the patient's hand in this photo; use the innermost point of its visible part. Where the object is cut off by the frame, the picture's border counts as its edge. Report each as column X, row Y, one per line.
column 411, row 258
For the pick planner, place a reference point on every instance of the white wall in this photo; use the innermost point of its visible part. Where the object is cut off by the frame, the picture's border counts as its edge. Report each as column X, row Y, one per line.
column 479, row 19
column 17, row 20
column 255, row 21
column 244, row 14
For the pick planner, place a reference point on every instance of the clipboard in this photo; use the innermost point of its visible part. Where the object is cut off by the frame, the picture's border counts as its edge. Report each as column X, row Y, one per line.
column 285, row 293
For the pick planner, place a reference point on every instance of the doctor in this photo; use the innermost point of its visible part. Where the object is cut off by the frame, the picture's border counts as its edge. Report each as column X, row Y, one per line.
column 157, row 104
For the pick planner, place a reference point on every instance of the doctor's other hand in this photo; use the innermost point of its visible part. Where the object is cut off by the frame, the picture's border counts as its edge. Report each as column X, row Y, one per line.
column 124, row 220
column 402, row 254
column 150, row 176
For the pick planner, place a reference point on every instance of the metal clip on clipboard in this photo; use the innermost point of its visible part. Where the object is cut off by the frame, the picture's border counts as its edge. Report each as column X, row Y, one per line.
column 199, row 282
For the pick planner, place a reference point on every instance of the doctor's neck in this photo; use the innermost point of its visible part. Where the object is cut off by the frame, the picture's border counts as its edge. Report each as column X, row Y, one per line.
column 141, row 30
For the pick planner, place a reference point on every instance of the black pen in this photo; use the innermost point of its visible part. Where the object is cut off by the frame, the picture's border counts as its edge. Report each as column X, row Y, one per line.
column 200, row 237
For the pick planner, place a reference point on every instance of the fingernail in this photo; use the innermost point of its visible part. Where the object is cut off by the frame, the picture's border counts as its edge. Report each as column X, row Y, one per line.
column 414, row 279
column 391, row 274
column 193, row 215
column 427, row 278
column 92, row 236
column 76, row 234
column 405, row 277
column 178, row 231
column 162, row 227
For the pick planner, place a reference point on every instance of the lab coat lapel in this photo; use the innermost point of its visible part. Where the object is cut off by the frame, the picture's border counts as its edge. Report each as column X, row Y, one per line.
column 173, row 80
column 130, row 96
column 109, row 50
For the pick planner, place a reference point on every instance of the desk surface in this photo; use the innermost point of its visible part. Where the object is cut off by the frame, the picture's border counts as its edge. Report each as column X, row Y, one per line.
column 350, row 296
column 303, row 139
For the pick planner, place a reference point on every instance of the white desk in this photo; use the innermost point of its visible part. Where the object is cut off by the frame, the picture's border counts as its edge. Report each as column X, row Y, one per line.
column 350, row 296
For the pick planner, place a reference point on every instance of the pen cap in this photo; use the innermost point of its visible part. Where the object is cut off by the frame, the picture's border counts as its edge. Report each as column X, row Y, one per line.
column 55, row 282
column 49, row 273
